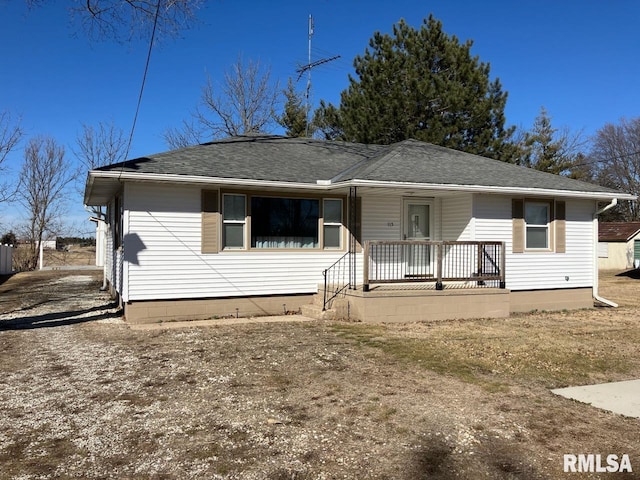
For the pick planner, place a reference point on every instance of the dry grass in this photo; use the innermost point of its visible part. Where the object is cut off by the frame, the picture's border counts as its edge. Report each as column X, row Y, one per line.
column 550, row 349
column 77, row 256
column 585, row 347
column 463, row 400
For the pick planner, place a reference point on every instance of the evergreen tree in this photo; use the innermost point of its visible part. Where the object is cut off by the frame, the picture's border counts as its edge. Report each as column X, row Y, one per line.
column 422, row 84
column 551, row 150
column 294, row 116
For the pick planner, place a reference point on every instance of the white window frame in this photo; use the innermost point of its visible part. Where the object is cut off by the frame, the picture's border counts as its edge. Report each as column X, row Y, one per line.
column 242, row 222
column 546, row 226
column 332, row 224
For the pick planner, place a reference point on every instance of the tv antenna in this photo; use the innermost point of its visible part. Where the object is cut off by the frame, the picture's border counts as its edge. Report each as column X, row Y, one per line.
column 307, row 68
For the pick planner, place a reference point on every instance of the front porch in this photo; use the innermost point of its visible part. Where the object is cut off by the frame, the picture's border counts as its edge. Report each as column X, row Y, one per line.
column 412, row 280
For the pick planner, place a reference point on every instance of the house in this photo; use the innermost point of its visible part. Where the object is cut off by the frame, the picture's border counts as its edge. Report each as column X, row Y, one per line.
column 618, row 245
column 411, row 231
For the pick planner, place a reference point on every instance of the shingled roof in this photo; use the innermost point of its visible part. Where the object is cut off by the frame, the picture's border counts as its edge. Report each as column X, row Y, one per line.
column 617, row 231
column 331, row 163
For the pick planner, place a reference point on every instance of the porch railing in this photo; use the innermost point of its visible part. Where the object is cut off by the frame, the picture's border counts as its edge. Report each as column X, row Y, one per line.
column 465, row 264
column 337, row 278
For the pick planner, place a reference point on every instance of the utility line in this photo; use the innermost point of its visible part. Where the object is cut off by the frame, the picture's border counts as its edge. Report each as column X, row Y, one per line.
column 144, row 80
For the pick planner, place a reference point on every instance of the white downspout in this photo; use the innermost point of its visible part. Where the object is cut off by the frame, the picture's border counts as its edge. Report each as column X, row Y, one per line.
column 600, row 299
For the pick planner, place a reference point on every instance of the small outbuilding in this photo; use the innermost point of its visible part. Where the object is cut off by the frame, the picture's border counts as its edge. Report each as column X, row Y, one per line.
column 618, row 245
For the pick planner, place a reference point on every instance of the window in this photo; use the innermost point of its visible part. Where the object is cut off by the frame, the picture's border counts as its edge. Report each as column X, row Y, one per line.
column 332, row 230
column 536, row 217
column 234, row 220
column 284, row 222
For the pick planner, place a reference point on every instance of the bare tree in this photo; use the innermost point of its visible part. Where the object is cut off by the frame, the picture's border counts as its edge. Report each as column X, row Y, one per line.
column 10, row 135
column 98, row 146
column 190, row 133
column 616, row 154
column 44, row 179
column 246, row 103
column 127, row 19
column 101, row 145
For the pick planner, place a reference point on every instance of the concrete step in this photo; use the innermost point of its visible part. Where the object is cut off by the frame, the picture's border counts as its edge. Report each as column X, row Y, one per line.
column 339, row 310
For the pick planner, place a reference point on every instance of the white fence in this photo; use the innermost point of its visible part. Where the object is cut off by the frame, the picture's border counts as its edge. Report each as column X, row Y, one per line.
column 6, row 259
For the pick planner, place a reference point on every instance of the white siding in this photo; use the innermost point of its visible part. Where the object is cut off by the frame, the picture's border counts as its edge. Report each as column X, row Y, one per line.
column 163, row 259
column 381, row 218
column 109, row 260
column 6, row 259
column 457, row 222
column 532, row 271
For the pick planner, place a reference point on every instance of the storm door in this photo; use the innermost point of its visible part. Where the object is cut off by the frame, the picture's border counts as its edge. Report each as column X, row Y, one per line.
column 418, row 226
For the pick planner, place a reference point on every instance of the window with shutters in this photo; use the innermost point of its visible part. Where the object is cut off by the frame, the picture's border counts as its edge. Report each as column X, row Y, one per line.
column 538, row 226
column 255, row 221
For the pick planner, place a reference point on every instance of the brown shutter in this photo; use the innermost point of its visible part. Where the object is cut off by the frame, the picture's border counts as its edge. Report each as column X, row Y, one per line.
column 518, row 236
column 561, row 227
column 210, row 236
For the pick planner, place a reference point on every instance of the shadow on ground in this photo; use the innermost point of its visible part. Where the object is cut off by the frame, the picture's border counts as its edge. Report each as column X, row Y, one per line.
column 58, row 319
column 633, row 273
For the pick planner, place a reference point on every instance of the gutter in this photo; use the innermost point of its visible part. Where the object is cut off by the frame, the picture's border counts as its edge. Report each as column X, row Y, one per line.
column 329, row 185
column 597, row 297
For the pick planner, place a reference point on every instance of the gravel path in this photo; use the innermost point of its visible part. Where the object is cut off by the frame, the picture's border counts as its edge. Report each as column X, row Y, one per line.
column 84, row 396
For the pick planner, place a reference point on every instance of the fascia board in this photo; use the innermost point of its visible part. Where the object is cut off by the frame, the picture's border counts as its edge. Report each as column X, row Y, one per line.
column 538, row 192
column 199, row 180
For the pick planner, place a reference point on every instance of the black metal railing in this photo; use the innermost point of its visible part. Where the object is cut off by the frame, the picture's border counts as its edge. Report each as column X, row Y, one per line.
column 472, row 264
column 337, row 278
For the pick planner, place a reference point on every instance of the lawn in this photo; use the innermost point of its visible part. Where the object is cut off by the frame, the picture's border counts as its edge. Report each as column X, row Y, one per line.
column 90, row 398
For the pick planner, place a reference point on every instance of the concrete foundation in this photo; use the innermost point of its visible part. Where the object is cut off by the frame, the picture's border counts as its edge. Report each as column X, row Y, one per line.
column 553, row 300
column 165, row 310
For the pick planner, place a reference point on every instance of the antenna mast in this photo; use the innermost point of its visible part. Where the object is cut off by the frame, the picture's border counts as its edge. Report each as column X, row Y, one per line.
column 308, row 93
column 300, row 71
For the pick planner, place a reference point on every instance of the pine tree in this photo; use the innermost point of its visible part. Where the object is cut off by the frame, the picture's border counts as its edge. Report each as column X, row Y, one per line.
column 422, row 84
column 294, row 116
column 551, row 150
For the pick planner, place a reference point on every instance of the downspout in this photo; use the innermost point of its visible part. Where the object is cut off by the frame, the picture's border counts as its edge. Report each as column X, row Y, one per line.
column 597, row 297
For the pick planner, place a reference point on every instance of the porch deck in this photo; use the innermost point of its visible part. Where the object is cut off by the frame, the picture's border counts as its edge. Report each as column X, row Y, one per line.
column 412, row 280
column 418, row 302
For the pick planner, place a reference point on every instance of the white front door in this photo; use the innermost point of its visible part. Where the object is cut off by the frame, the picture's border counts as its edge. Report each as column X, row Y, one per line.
column 418, row 226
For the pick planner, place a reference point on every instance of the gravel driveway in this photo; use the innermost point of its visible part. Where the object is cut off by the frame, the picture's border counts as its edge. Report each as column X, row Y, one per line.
column 83, row 396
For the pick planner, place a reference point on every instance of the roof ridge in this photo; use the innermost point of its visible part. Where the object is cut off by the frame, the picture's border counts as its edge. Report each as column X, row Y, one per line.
column 372, row 158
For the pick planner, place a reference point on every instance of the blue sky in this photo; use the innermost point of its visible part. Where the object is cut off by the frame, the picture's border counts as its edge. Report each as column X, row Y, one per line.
column 577, row 58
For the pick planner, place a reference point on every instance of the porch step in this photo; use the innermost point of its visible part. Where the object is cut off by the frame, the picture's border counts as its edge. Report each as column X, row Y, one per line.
column 339, row 310
column 312, row 310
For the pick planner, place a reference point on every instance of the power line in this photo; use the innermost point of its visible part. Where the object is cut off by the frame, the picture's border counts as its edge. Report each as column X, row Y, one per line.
column 144, row 80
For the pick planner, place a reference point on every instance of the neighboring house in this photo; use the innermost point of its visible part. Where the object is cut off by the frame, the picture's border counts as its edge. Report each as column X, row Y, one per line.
column 49, row 244
column 409, row 231
column 618, row 245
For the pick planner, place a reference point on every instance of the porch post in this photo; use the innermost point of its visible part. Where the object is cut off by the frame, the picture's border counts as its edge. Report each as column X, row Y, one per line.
column 365, row 267
column 353, row 241
column 439, row 285
column 503, row 262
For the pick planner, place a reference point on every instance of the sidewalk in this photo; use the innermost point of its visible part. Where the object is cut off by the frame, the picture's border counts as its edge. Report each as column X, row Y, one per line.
column 617, row 397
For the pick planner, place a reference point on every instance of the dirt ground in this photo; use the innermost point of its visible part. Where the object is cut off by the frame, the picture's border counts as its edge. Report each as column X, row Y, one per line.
column 83, row 396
